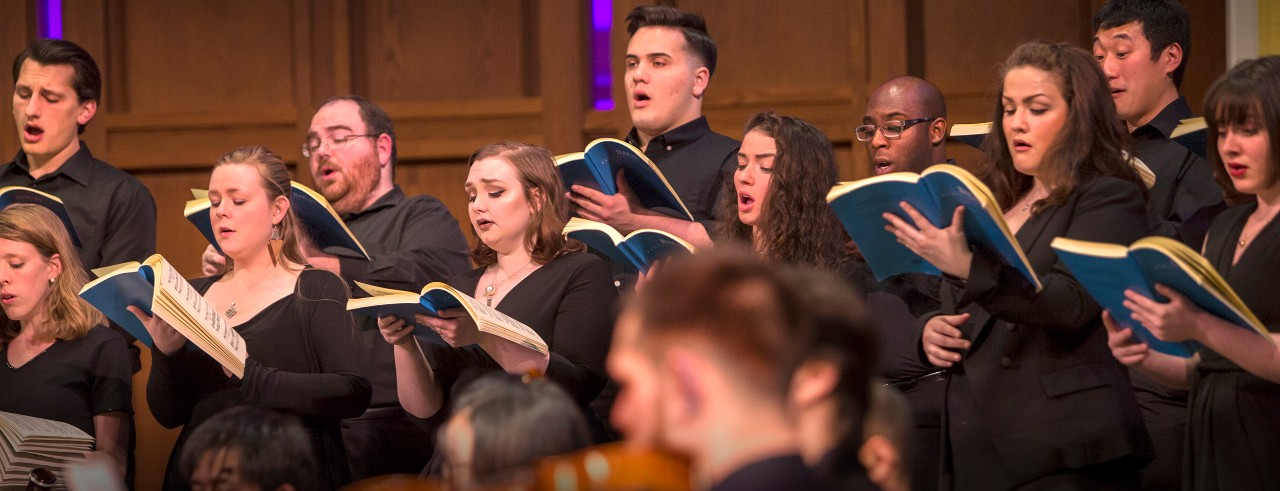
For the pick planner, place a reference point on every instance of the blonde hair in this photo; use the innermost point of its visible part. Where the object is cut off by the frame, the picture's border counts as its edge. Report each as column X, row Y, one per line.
column 276, row 182
column 68, row 317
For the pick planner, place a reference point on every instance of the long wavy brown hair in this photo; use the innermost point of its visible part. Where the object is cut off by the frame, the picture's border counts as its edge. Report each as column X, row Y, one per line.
column 1091, row 141
column 796, row 225
column 67, row 316
column 544, row 192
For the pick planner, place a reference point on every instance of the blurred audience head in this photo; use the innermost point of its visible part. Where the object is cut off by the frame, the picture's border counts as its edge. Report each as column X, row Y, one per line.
column 248, row 448
column 708, row 336
column 885, row 451
column 502, row 425
column 830, row 387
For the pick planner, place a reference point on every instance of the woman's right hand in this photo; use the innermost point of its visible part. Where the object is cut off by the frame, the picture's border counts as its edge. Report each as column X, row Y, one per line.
column 166, row 339
column 395, row 330
column 942, row 339
column 1124, row 346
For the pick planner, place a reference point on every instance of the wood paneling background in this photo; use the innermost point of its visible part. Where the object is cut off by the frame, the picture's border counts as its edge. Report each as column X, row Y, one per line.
column 187, row 80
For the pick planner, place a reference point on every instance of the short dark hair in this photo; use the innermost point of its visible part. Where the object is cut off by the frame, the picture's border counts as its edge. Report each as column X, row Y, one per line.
column 733, row 302
column 87, row 81
column 842, row 335
column 1248, row 94
column 376, row 120
column 691, row 24
column 274, row 448
column 1164, row 22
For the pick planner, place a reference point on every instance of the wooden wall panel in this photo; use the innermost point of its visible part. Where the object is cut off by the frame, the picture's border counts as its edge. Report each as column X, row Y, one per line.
column 442, row 49
column 180, row 56
column 187, row 81
column 966, row 41
column 14, row 36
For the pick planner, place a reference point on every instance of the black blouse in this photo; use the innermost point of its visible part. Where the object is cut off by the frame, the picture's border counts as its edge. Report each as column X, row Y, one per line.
column 299, row 363
column 71, row 381
column 569, row 302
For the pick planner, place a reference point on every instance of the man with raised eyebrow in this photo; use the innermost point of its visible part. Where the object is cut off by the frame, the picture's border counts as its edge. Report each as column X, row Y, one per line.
column 669, row 63
column 1143, row 46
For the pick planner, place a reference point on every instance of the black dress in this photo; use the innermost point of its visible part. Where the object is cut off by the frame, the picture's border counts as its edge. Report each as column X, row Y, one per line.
column 1233, row 430
column 569, row 302
column 299, row 363
column 71, row 381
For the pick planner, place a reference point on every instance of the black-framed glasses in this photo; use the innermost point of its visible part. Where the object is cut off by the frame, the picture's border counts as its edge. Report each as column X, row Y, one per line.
column 892, row 130
column 311, row 146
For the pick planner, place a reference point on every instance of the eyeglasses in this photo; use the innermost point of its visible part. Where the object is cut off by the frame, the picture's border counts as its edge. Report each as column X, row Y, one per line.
column 311, row 146
column 892, row 130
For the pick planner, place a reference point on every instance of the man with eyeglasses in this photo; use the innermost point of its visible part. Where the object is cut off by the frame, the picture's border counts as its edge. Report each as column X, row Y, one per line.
column 411, row 241
column 905, row 129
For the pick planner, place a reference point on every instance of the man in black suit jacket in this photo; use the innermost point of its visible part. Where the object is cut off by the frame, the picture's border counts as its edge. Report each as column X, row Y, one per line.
column 1034, row 398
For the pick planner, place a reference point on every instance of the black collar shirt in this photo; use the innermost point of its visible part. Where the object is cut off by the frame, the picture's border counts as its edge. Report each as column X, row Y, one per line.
column 411, row 241
column 697, row 162
column 113, row 213
column 1185, row 193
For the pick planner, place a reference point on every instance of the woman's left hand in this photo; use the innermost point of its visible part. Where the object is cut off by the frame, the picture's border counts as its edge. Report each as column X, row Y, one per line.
column 453, row 325
column 945, row 248
column 1171, row 321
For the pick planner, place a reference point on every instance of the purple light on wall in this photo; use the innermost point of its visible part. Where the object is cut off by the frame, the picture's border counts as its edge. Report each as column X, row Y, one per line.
column 601, row 74
column 49, row 18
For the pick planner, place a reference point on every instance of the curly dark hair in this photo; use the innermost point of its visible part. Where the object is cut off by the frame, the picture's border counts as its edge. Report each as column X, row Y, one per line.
column 796, row 225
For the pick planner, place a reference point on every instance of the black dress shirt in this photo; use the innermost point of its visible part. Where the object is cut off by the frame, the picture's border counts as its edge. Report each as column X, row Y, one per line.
column 113, row 213
column 1185, row 192
column 411, row 242
column 696, row 161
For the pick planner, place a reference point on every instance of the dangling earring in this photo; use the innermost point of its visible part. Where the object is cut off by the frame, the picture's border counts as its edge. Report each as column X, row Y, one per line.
column 276, row 245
